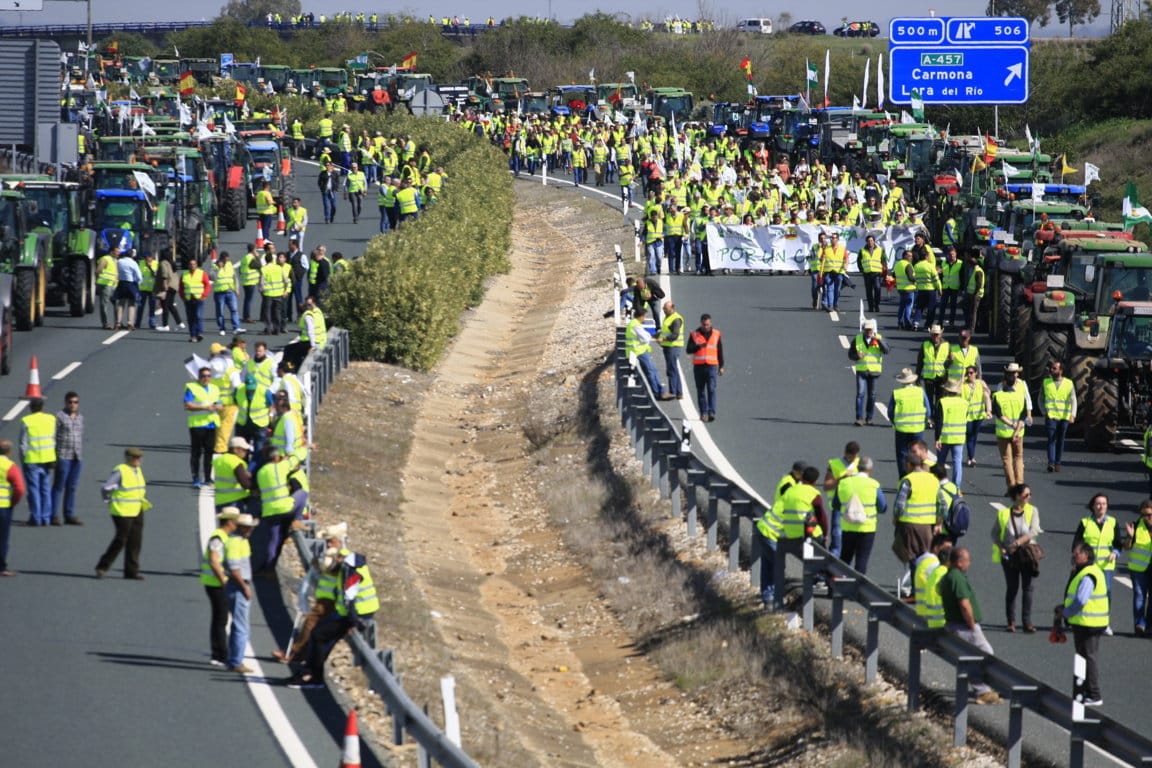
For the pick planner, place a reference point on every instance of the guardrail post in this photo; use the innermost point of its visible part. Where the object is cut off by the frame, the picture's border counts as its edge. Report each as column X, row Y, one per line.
column 641, row 408
column 1021, row 695
column 676, row 463
column 918, row 640
column 841, row 587
column 813, row 564
column 755, row 557
column 696, row 478
column 650, row 429
column 964, row 667
column 666, row 447
column 423, row 759
column 738, row 509
column 717, row 489
column 784, row 547
column 1080, row 732
column 388, row 659
column 876, row 612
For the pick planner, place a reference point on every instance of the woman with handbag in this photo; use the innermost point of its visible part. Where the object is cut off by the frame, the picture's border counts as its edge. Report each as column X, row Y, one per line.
column 1014, row 547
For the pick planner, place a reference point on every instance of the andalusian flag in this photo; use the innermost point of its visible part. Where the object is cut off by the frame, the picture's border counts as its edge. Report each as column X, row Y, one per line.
column 241, row 92
column 187, row 84
column 813, row 72
column 1134, row 213
column 746, row 67
column 409, row 61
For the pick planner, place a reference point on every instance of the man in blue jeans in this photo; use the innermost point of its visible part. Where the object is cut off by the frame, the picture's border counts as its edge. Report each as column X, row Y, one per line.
column 38, row 452
column 671, row 340
column 238, row 561
column 707, row 365
column 638, row 342
column 12, row 485
column 69, row 456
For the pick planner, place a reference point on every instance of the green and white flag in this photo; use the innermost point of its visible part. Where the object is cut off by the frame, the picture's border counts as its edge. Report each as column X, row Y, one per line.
column 1134, row 213
column 813, row 73
column 917, row 105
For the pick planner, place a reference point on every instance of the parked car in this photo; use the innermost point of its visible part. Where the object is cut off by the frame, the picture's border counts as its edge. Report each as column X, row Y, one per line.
column 857, row 29
column 762, row 26
column 808, row 28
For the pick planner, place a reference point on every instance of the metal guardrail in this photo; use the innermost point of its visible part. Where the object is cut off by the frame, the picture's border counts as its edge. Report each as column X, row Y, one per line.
column 317, row 373
column 666, row 456
column 100, row 30
column 23, row 162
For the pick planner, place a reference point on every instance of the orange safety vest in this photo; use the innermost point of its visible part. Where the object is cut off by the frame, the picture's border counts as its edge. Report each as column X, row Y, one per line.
column 707, row 350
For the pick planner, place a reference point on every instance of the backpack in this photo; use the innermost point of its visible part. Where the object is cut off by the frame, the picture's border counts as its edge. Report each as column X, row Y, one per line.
column 959, row 517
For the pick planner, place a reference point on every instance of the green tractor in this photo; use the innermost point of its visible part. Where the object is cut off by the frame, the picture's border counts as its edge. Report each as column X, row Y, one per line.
column 132, row 218
column 25, row 253
column 1119, row 396
column 59, row 207
column 228, row 161
column 191, row 197
column 270, row 160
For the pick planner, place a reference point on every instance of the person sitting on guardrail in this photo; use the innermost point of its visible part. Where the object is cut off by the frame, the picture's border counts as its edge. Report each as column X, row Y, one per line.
column 355, row 602
column 323, row 569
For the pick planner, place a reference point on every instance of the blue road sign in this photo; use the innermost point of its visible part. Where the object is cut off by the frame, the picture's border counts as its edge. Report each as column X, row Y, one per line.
column 226, row 60
column 959, row 74
column 916, row 31
column 984, row 30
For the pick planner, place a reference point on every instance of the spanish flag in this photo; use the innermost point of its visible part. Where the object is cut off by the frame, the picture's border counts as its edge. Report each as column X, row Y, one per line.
column 990, row 149
column 746, row 67
column 241, row 92
column 113, row 47
column 187, row 84
column 409, row 61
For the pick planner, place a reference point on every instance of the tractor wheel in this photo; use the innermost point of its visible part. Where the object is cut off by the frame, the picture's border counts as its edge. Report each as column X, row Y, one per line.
column 1020, row 335
column 41, row 292
column 288, row 188
column 1044, row 346
column 1002, row 311
column 1101, row 414
column 1079, row 370
column 24, row 299
column 77, row 287
column 234, row 209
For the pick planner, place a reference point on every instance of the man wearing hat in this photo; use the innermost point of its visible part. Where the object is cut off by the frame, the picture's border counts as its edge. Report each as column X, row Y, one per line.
column 125, row 492
column 868, row 350
column 951, row 429
column 932, row 362
column 238, row 559
column 226, row 378
column 1010, row 411
column 214, row 577
column 324, row 597
column 909, row 409
column 233, row 481
column 972, row 284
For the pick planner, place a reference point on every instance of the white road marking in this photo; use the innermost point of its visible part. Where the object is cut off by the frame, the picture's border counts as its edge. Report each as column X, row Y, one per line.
column 834, row 315
column 844, row 343
column 281, row 727
column 66, row 370
column 115, row 337
column 882, row 409
column 15, row 410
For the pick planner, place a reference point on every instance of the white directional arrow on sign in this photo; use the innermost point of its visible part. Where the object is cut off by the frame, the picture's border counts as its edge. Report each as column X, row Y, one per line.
column 1014, row 71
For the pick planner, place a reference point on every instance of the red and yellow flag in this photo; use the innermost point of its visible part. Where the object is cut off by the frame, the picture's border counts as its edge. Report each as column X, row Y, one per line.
column 187, row 84
column 241, row 93
column 746, row 67
column 113, row 47
column 990, row 149
column 409, row 61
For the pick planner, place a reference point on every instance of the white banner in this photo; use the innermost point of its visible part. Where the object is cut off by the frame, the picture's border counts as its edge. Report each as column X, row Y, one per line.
column 786, row 248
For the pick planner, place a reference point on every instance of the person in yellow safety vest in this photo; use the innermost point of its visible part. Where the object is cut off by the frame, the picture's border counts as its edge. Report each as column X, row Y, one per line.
column 325, row 127
column 872, row 267
column 927, row 571
column 214, row 577
column 1099, row 531
column 11, row 492
column 203, row 405
column 226, row 378
column 355, row 601
column 1010, row 409
column 972, row 283
column 950, row 287
column 927, row 292
column 868, row 350
column 1015, row 527
column 273, row 288
column 266, row 209
column 224, row 293
column 233, row 481
column 146, row 298
column 288, row 428
column 932, row 362
column 964, row 354
column 407, row 201
column 277, row 502
column 249, row 280
column 637, row 344
column 107, row 278
column 324, row 596
column 768, row 527
column 126, row 494
column 298, row 138
column 674, row 223
column 1139, row 556
column 297, row 217
column 435, row 180
column 386, row 202
column 838, row 468
column 833, row 267
column 915, row 512
column 313, row 328
column 319, row 274
column 860, row 500
column 1086, row 607
column 357, row 185
column 951, row 419
column 671, row 340
column 38, row 453
column 910, row 413
column 238, row 588
column 1059, row 401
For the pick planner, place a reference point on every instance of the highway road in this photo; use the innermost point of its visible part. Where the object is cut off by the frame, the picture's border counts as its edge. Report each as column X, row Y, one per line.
column 115, row 672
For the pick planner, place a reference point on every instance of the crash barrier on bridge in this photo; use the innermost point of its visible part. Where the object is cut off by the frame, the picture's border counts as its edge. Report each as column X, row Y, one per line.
column 100, row 30
column 22, row 162
column 666, row 455
column 317, row 373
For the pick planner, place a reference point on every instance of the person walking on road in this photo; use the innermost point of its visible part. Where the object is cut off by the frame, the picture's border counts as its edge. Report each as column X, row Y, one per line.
column 238, row 560
column 266, row 208
column 1010, row 409
column 297, row 216
column 1099, row 531
column 224, row 292
column 146, row 298
column 329, row 182
column 962, row 614
column 905, row 278
column 951, row 429
column 932, row 363
column 166, row 292
column 834, row 266
column 1139, row 556
column 707, row 350
column 769, row 527
column 975, row 392
column 671, row 339
column 38, row 453
column 1016, row 527
column 861, row 500
column 69, row 459
column 106, row 277
column 214, row 577
column 1059, row 402
column 910, row 414
column 11, row 491
column 638, row 342
column 871, row 261
column 964, row 354
column 868, row 350
column 973, row 287
column 950, row 285
column 203, row 405
column 194, row 289
column 126, row 494
column 273, row 289
column 800, row 514
column 927, row 571
column 357, row 185
column 914, row 514
column 839, row 467
column 1086, row 609
column 128, row 278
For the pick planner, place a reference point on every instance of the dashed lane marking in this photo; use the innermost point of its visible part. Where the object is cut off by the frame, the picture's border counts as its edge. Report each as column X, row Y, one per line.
column 834, row 316
column 15, row 410
column 843, row 341
column 115, row 337
column 66, row 370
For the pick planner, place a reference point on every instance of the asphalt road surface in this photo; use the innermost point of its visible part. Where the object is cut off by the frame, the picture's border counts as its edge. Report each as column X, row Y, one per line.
column 115, row 672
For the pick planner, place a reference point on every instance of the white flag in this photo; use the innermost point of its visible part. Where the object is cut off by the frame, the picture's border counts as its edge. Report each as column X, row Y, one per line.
column 880, row 82
column 185, row 114
column 133, row 95
column 82, row 47
column 905, row 118
column 827, row 69
column 1091, row 173
column 592, row 75
column 1010, row 170
column 855, row 102
column 177, row 51
column 1037, row 191
column 228, row 127
column 145, row 182
column 631, row 77
column 1028, row 137
column 867, row 74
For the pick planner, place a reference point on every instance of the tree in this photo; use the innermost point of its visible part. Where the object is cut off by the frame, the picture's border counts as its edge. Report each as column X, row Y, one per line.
column 258, row 10
column 1072, row 12
column 1036, row 11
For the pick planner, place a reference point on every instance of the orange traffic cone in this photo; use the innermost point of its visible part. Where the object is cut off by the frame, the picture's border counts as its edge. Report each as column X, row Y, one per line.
column 281, row 225
column 33, row 388
column 351, row 756
column 259, row 233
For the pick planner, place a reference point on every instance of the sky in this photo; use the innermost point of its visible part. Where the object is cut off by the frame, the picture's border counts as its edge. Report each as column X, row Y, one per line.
column 728, row 13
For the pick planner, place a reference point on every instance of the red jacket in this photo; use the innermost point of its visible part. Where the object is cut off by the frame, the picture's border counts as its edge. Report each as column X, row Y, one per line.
column 207, row 285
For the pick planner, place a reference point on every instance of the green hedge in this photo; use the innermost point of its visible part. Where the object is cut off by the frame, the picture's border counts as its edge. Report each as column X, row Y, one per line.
column 402, row 302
